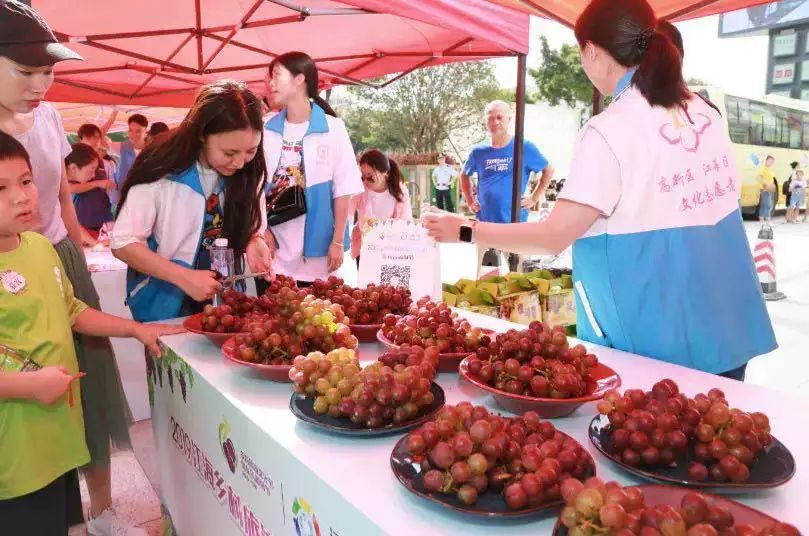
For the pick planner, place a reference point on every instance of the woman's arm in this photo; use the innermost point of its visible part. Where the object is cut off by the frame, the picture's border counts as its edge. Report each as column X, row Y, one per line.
column 567, row 222
column 200, row 285
column 82, row 187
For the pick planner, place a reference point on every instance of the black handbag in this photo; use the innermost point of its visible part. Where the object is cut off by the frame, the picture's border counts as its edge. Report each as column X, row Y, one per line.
column 285, row 205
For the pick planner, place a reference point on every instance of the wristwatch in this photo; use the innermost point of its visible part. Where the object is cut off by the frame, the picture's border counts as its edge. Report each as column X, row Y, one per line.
column 467, row 232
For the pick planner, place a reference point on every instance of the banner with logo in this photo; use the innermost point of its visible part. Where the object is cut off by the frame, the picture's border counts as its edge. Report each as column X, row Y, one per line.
column 221, row 474
column 400, row 253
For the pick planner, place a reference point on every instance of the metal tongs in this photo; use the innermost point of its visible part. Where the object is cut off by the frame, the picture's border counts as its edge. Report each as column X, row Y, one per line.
column 228, row 281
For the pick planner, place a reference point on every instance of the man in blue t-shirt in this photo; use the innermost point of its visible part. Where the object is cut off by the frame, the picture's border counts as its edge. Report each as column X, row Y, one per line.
column 493, row 163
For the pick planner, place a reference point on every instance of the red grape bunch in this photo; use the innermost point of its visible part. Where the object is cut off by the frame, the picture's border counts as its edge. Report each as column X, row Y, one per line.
column 727, row 441
column 366, row 306
column 467, row 451
column 238, row 309
column 657, row 428
column 409, row 356
column 372, row 397
column 232, row 316
column 649, row 429
column 535, row 362
column 302, row 327
column 431, row 324
column 598, row 508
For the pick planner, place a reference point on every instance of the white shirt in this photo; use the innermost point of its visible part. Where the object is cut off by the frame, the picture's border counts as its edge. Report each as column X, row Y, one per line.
column 289, row 259
column 209, row 179
column 47, row 148
column 443, row 176
column 379, row 204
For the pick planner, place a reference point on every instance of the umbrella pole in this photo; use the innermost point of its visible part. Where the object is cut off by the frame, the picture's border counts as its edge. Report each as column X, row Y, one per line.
column 519, row 132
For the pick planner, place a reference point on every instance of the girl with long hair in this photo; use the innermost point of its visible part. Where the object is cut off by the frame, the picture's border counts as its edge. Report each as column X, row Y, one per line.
column 313, row 173
column 196, row 183
column 661, row 263
column 383, row 198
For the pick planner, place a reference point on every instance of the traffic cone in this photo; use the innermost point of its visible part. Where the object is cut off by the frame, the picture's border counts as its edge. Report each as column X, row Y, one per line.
column 765, row 264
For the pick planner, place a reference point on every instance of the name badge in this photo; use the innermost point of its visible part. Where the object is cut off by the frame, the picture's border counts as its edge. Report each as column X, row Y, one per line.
column 13, row 282
column 322, row 154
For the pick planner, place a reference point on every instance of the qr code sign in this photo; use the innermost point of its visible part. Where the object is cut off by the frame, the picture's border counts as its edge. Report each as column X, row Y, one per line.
column 395, row 276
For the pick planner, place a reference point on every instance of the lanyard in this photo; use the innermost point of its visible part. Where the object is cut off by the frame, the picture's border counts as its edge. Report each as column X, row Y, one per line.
column 624, row 84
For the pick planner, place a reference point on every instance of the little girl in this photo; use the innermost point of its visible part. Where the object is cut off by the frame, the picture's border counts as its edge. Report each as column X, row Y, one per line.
column 797, row 189
column 383, row 197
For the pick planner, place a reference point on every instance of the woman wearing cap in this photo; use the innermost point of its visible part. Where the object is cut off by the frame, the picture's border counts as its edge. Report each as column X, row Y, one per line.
column 28, row 51
column 662, row 266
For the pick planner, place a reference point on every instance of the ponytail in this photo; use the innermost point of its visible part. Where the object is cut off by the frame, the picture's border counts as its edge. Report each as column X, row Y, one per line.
column 300, row 63
column 628, row 30
column 395, row 180
column 659, row 76
column 320, row 101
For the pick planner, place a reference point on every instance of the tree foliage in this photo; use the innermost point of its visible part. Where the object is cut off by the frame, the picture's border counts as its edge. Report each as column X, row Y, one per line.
column 419, row 112
column 560, row 77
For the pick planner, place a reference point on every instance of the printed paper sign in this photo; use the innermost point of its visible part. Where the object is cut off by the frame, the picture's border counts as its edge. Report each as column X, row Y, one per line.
column 400, row 253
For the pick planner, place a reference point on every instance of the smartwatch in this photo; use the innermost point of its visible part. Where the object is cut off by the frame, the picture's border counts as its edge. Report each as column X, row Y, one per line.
column 466, row 232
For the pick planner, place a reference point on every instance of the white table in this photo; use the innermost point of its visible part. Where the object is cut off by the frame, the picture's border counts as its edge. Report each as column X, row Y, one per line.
column 109, row 277
column 347, row 482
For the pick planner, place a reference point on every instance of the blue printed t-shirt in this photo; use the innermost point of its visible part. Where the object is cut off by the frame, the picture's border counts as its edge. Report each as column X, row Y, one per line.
column 494, row 167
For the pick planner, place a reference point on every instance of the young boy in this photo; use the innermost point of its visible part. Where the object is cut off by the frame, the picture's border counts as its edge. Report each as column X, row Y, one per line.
column 89, row 191
column 40, row 399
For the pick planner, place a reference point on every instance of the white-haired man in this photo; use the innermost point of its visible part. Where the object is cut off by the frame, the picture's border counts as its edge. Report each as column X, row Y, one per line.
column 493, row 163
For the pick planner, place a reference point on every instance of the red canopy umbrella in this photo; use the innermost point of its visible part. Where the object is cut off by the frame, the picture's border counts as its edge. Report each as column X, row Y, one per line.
column 566, row 11
column 158, row 52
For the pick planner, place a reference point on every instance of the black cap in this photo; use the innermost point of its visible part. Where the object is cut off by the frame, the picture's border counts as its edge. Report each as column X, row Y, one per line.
column 26, row 39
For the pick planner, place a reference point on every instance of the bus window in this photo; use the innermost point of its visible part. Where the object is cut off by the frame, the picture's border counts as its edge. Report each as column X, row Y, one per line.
column 805, row 125
column 794, row 120
column 738, row 119
column 757, row 113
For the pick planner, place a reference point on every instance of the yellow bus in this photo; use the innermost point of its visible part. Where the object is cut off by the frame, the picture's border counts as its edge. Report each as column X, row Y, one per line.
column 770, row 125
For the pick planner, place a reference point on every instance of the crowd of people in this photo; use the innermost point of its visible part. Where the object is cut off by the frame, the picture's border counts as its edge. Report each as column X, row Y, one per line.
column 277, row 177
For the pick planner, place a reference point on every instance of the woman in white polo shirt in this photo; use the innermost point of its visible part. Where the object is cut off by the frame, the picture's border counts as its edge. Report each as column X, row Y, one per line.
column 308, row 152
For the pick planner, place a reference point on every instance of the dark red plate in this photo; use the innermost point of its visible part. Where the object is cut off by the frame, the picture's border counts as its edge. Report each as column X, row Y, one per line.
column 276, row 373
column 548, row 408
column 447, row 362
column 672, row 496
column 193, row 324
column 490, row 504
column 365, row 332
column 303, row 408
column 773, row 468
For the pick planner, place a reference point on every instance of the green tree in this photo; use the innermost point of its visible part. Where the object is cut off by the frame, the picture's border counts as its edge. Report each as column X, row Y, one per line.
column 560, row 77
column 421, row 111
column 696, row 82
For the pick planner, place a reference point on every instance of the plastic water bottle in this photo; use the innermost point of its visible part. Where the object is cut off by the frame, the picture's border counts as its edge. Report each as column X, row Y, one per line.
column 221, row 262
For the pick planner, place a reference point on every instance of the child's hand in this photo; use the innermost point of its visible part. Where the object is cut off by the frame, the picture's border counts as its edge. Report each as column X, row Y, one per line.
column 50, row 384
column 147, row 334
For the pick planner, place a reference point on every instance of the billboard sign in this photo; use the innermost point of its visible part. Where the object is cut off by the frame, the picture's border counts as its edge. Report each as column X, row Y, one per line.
column 763, row 17
column 783, row 73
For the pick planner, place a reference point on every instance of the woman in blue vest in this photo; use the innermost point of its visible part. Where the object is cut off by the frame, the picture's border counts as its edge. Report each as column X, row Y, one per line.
column 307, row 150
column 661, row 263
column 201, row 181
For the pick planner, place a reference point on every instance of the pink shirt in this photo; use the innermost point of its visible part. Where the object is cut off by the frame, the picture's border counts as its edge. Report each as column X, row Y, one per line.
column 367, row 208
